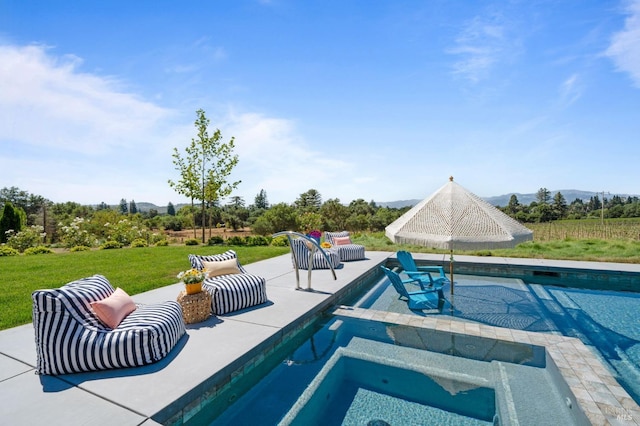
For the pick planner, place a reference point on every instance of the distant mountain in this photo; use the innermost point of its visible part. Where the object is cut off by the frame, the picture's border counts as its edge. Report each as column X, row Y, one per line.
column 569, row 195
column 147, row 207
column 398, row 204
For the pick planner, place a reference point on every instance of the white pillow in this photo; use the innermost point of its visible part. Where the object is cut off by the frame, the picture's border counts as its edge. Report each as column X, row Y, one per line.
column 221, row 267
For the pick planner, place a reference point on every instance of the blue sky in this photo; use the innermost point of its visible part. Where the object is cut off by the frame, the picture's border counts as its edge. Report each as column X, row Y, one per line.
column 380, row 100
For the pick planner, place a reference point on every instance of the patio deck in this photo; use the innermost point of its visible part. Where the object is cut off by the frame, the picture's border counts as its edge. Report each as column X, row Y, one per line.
column 173, row 389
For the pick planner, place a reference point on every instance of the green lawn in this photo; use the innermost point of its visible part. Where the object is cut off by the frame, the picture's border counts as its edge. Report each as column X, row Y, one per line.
column 135, row 270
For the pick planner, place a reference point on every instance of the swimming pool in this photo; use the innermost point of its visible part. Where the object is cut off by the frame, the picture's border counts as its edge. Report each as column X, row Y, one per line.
column 606, row 320
column 356, row 371
column 485, row 301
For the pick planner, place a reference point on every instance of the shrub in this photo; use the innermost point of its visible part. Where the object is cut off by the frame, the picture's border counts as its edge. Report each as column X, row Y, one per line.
column 257, row 240
column 162, row 243
column 281, row 241
column 38, row 250
column 124, row 231
column 29, row 237
column 111, row 244
column 215, row 240
column 235, row 241
column 8, row 251
column 191, row 242
column 77, row 234
column 139, row 242
column 79, row 248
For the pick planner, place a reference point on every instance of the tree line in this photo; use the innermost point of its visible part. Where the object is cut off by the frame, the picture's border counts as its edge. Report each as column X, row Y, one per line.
column 546, row 208
column 71, row 224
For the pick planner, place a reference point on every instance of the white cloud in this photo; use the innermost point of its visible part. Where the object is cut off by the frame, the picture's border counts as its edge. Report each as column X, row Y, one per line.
column 481, row 44
column 48, row 102
column 624, row 49
column 570, row 90
column 275, row 157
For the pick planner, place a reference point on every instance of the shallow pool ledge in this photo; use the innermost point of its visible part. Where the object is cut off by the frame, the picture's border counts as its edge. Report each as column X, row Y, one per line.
column 594, row 388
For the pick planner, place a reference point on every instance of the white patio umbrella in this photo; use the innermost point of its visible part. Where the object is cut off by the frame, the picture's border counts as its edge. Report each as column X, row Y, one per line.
column 454, row 218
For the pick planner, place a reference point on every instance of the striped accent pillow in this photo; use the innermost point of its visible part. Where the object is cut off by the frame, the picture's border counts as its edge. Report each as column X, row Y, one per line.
column 196, row 259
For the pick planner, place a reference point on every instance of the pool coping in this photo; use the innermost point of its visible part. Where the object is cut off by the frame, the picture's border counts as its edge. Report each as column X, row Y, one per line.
column 597, row 392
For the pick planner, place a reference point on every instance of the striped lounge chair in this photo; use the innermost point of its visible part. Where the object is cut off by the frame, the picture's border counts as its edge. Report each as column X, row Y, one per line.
column 347, row 250
column 319, row 261
column 230, row 286
column 71, row 338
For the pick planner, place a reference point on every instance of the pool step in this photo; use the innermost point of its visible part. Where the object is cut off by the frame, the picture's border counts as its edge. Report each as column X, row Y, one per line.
column 529, row 396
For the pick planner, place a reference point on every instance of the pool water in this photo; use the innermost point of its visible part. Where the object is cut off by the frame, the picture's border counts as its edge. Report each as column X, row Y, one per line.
column 606, row 320
column 307, row 387
column 351, row 370
column 368, row 382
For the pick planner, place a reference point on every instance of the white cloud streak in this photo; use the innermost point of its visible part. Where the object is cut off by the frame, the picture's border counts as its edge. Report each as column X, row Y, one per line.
column 624, row 49
column 481, row 45
column 48, row 102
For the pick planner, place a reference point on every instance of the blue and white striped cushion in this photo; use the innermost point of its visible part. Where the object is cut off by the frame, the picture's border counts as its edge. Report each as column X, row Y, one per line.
column 347, row 252
column 235, row 291
column 71, row 339
column 196, row 259
column 301, row 252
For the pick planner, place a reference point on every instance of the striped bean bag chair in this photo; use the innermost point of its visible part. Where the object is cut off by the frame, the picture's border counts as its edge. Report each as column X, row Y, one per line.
column 300, row 251
column 231, row 287
column 347, row 250
column 70, row 337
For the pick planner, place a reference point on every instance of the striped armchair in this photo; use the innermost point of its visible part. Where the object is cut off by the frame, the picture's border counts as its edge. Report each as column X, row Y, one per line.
column 347, row 250
column 231, row 289
column 299, row 246
column 70, row 338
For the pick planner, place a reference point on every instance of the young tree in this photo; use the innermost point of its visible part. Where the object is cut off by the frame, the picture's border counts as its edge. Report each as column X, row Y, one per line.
column 188, row 183
column 208, row 164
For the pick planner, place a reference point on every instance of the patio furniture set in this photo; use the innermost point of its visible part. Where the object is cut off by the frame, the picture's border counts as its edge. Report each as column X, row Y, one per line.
column 87, row 325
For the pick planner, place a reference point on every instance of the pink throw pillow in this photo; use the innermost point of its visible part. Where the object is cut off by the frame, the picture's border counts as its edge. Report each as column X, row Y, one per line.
column 340, row 241
column 112, row 310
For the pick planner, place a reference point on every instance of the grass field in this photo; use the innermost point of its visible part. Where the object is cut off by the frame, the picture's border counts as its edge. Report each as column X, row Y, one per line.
column 609, row 229
column 135, row 270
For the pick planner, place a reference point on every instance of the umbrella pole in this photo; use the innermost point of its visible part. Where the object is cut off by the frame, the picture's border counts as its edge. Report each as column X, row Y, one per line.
column 451, row 270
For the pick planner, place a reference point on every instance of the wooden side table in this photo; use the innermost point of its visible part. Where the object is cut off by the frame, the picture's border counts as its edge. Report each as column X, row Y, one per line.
column 195, row 307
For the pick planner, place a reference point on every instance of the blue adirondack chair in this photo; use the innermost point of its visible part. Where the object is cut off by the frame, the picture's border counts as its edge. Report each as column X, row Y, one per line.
column 421, row 299
column 421, row 273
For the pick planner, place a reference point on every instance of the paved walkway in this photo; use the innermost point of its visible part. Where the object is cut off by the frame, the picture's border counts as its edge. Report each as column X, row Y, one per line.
column 174, row 389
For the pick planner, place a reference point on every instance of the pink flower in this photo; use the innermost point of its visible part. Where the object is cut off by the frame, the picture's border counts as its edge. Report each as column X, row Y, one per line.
column 315, row 234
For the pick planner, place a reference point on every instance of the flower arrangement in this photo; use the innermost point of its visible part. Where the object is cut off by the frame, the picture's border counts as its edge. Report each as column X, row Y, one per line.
column 315, row 234
column 325, row 244
column 193, row 276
